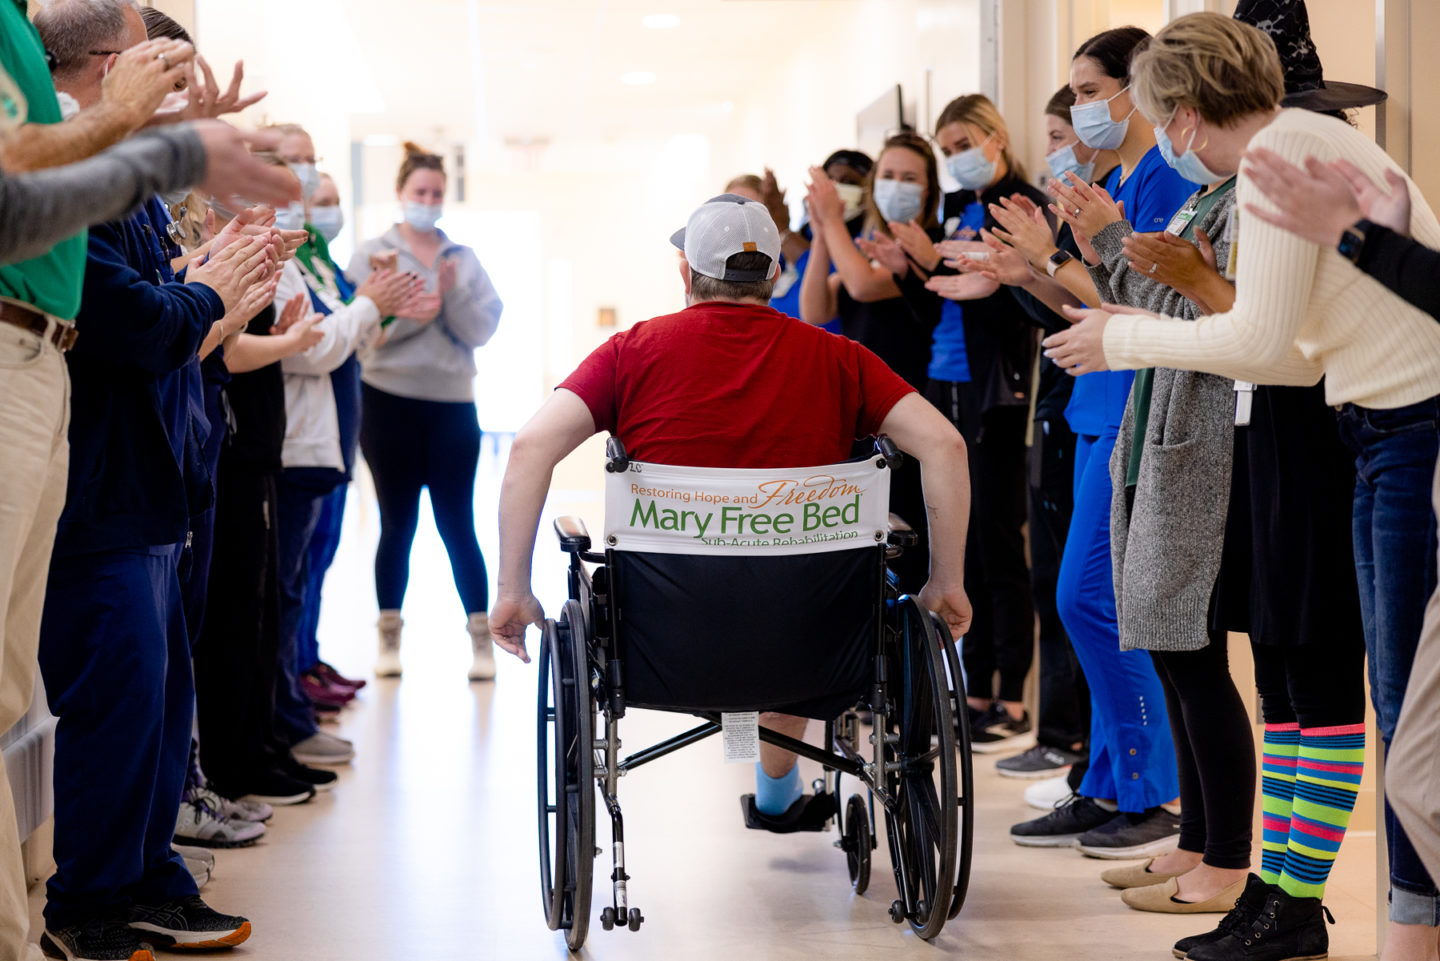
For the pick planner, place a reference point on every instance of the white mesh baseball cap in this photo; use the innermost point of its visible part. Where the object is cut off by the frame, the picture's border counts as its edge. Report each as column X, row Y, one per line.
column 723, row 227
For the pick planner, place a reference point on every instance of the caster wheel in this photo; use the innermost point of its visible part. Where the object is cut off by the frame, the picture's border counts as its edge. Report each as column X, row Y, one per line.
column 922, row 910
column 897, row 912
column 857, row 843
column 607, row 919
column 636, row 919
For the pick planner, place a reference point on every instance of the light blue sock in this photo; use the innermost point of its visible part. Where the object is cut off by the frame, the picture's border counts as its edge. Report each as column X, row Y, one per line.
column 774, row 795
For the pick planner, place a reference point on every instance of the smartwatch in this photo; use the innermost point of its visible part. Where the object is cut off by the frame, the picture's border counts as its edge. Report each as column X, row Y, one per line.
column 1057, row 260
column 1352, row 241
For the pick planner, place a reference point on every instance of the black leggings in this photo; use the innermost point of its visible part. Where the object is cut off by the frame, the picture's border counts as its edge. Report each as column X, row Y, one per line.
column 1214, row 750
column 1320, row 684
column 1001, row 639
column 410, row 445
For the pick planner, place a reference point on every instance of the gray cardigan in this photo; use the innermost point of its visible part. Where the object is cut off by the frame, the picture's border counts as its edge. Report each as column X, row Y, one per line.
column 1166, row 550
column 38, row 210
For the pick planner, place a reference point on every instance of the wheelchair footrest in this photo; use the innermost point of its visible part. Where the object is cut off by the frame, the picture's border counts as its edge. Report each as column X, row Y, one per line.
column 811, row 813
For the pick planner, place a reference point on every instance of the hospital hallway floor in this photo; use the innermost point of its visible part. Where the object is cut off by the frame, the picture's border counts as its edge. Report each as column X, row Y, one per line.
column 426, row 848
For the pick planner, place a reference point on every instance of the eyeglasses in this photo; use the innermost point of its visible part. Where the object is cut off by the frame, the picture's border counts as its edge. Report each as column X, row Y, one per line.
column 105, row 53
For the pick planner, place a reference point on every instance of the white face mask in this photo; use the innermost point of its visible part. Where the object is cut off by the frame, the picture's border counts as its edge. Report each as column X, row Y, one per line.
column 423, row 216
column 308, row 176
column 1064, row 160
column 329, row 220
column 854, row 197
column 291, row 217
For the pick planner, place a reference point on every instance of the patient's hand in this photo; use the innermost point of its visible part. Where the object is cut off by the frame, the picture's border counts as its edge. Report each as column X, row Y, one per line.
column 951, row 604
column 509, row 618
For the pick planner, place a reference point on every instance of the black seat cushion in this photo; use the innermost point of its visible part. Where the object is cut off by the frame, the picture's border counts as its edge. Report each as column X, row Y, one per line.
column 794, row 634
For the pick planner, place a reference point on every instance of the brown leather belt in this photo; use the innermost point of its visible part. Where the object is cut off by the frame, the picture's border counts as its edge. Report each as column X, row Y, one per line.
column 59, row 333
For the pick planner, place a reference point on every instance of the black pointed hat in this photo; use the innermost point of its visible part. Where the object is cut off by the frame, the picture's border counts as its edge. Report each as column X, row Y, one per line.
column 1288, row 24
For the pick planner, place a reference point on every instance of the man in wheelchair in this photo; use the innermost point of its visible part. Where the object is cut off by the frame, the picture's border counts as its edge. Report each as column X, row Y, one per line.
column 729, row 382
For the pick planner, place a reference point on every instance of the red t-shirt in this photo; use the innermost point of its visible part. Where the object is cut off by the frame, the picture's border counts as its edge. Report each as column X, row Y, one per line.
column 734, row 385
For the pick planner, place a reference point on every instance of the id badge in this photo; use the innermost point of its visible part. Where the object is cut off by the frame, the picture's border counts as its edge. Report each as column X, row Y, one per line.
column 1244, row 402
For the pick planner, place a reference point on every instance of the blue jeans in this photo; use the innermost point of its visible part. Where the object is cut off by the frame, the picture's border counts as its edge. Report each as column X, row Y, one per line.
column 1132, row 756
column 323, row 545
column 1394, row 526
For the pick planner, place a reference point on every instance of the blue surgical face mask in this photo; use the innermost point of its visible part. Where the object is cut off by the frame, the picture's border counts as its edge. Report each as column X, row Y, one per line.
column 1188, row 164
column 291, row 217
column 899, row 202
column 971, row 169
column 328, row 220
column 1094, row 127
column 1063, row 161
column 423, row 216
column 308, row 176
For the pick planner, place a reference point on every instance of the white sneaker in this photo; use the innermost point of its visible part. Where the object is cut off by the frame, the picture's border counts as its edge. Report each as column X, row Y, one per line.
column 257, row 811
column 323, row 749
column 190, row 853
column 200, row 824
column 483, row 667
column 1044, row 795
column 388, row 663
column 195, row 862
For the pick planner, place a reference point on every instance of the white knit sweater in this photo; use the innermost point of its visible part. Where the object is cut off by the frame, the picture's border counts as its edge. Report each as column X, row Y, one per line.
column 1302, row 311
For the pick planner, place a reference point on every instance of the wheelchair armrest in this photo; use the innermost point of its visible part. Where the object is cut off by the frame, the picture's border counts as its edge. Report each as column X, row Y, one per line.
column 901, row 534
column 574, row 538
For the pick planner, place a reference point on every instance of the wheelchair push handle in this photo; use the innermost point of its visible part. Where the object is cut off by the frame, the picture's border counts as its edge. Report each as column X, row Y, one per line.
column 617, row 461
column 887, row 450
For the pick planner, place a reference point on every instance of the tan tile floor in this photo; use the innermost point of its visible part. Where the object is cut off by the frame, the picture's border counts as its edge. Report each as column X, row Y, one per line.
column 426, row 849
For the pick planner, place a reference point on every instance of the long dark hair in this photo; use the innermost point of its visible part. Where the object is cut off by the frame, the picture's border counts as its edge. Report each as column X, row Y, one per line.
column 1113, row 50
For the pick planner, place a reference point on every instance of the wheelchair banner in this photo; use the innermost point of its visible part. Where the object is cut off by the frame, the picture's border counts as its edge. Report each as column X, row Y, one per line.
column 693, row 510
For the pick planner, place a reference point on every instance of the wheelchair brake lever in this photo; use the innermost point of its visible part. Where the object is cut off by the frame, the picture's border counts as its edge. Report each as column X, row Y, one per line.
column 886, row 448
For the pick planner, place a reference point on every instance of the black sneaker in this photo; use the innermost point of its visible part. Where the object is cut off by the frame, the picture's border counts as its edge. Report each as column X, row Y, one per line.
column 103, row 939
column 1040, row 761
column 1286, row 928
column 995, row 731
column 188, row 924
column 1126, row 836
column 1071, row 818
column 1246, row 910
column 320, row 780
column 271, row 786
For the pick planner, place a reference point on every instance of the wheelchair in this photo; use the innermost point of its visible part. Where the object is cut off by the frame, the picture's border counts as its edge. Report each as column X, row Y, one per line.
column 681, row 633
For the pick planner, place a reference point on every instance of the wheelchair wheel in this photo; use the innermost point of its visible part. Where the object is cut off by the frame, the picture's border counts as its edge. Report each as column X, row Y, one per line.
column 858, row 841
column 566, row 790
column 959, row 711
column 923, row 827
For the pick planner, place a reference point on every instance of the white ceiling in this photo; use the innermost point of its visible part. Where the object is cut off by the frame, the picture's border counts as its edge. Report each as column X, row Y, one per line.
column 551, row 69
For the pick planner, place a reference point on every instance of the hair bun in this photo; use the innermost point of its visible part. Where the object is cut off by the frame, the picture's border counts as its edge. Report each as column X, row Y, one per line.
column 413, row 149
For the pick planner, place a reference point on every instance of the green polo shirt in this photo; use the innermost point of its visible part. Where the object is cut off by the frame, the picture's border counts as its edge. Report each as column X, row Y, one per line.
column 51, row 282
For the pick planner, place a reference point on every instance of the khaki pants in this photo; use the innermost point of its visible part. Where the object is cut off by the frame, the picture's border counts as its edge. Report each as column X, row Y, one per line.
column 34, row 457
column 1412, row 772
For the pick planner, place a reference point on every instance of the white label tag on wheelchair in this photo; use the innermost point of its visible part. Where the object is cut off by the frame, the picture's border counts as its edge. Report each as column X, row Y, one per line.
column 740, row 733
column 692, row 510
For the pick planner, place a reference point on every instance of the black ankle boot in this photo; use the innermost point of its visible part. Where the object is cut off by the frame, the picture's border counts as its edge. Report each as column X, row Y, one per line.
column 1287, row 929
column 1247, row 908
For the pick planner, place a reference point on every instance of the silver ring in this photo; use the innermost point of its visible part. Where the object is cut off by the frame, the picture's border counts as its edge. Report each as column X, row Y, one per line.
column 163, row 59
column 1076, row 211
column 1155, row 266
